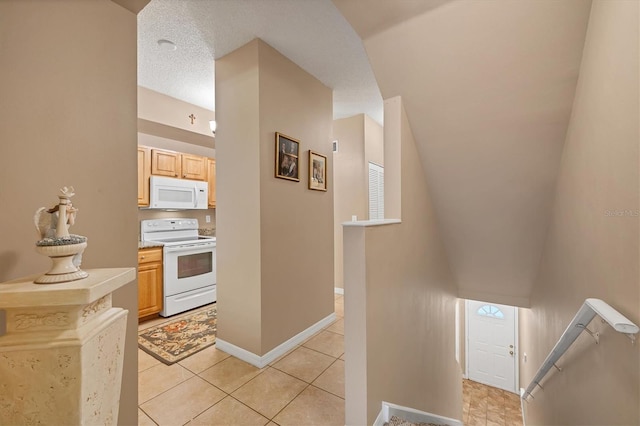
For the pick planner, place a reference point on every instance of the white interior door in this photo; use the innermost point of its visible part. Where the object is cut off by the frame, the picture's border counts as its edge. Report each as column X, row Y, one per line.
column 491, row 344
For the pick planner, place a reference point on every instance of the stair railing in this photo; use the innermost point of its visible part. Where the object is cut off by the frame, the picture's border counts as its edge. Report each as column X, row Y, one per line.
column 583, row 317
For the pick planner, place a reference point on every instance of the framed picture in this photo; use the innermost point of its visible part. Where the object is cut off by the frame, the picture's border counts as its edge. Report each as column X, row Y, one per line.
column 317, row 171
column 287, row 149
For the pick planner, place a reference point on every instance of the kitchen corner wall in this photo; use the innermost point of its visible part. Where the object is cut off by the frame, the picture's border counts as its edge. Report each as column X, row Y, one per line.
column 592, row 243
column 360, row 141
column 68, row 84
column 275, row 237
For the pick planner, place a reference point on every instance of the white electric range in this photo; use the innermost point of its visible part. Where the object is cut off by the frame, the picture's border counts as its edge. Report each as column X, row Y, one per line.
column 189, row 263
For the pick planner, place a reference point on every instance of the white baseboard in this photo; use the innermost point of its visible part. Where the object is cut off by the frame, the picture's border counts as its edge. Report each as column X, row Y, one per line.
column 409, row 414
column 273, row 354
column 383, row 416
column 522, row 405
column 339, row 290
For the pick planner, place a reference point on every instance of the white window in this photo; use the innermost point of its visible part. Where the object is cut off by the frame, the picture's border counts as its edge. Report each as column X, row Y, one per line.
column 490, row 311
column 376, row 192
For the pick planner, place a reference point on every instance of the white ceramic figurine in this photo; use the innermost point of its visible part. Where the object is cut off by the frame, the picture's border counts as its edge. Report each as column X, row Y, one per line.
column 64, row 249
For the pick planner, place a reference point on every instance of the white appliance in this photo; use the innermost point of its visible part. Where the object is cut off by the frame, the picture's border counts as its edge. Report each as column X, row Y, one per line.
column 178, row 194
column 189, row 265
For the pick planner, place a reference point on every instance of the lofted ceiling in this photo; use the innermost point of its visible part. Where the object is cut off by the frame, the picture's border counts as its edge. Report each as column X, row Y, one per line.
column 311, row 33
column 488, row 88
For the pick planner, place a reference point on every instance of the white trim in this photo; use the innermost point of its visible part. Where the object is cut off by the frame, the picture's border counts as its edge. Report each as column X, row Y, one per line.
column 372, row 222
column 339, row 290
column 466, row 337
column 273, row 354
column 516, row 350
column 456, row 321
column 522, row 405
column 412, row 415
column 382, row 415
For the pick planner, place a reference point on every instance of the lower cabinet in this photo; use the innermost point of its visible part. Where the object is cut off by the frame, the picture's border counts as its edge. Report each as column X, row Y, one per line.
column 149, row 281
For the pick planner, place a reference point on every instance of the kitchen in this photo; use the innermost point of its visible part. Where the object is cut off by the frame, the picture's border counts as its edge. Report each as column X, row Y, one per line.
column 176, row 206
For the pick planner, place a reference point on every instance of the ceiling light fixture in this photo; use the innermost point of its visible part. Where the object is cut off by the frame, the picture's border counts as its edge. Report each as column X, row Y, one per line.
column 167, row 45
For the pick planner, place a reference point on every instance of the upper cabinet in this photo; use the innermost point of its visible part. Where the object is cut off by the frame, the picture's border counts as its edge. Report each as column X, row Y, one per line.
column 178, row 165
column 144, row 170
column 194, row 167
column 165, row 163
column 211, row 173
column 161, row 162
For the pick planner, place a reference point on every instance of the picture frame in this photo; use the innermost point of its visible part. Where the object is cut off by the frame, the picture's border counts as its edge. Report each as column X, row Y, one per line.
column 287, row 165
column 317, row 171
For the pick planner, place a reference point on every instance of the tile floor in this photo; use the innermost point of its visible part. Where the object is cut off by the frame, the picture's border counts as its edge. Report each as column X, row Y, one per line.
column 303, row 387
column 487, row 406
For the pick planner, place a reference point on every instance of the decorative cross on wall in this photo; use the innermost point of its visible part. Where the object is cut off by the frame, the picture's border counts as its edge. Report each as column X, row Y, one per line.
column 193, row 118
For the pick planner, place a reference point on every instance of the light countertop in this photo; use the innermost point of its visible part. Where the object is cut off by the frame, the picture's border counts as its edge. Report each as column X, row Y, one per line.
column 149, row 244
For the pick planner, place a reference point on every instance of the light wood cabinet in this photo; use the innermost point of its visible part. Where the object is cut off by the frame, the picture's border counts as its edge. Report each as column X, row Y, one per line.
column 162, row 162
column 149, row 281
column 144, row 170
column 194, row 167
column 166, row 163
column 211, row 175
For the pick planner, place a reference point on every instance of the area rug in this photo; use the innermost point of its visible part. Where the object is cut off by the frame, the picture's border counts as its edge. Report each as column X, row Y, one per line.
column 174, row 341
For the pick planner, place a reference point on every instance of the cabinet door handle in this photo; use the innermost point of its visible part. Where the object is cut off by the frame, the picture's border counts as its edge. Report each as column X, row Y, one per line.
column 141, row 257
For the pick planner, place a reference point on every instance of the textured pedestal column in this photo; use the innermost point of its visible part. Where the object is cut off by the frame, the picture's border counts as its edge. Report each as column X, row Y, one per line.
column 62, row 353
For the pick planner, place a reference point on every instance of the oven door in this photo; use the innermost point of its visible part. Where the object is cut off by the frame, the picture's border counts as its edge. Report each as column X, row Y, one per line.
column 189, row 267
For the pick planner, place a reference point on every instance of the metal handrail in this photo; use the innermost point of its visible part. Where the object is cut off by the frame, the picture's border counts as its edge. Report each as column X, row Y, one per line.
column 583, row 317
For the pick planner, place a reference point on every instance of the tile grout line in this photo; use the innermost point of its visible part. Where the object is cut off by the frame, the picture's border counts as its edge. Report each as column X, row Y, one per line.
column 289, row 403
column 304, row 381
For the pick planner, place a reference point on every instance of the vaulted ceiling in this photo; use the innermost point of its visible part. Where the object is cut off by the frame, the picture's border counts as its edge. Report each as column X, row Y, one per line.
column 488, row 87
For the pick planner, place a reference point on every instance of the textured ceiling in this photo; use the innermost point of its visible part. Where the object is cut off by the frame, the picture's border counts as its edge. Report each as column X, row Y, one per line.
column 311, row 33
column 488, row 87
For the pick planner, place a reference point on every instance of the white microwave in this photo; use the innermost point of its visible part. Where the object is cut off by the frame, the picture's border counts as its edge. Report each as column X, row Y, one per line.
column 177, row 194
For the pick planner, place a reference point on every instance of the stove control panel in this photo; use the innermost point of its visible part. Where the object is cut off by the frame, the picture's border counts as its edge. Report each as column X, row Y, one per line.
column 161, row 225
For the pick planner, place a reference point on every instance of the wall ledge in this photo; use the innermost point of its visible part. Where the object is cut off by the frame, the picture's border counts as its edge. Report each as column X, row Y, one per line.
column 366, row 223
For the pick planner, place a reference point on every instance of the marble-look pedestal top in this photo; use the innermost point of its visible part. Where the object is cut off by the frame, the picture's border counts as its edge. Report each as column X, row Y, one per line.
column 22, row 292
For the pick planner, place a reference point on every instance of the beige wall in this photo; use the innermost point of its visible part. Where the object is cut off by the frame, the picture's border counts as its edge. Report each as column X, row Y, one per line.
column 238, row 252
column 275, row 240
column 360, row 141
column 177, row 145
column 400, row 294
column 68, row 84
column 349, row 171
column 296, row 223
column 165, row 117
column 592, row 251
column 373, row 145
column 159, row 108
